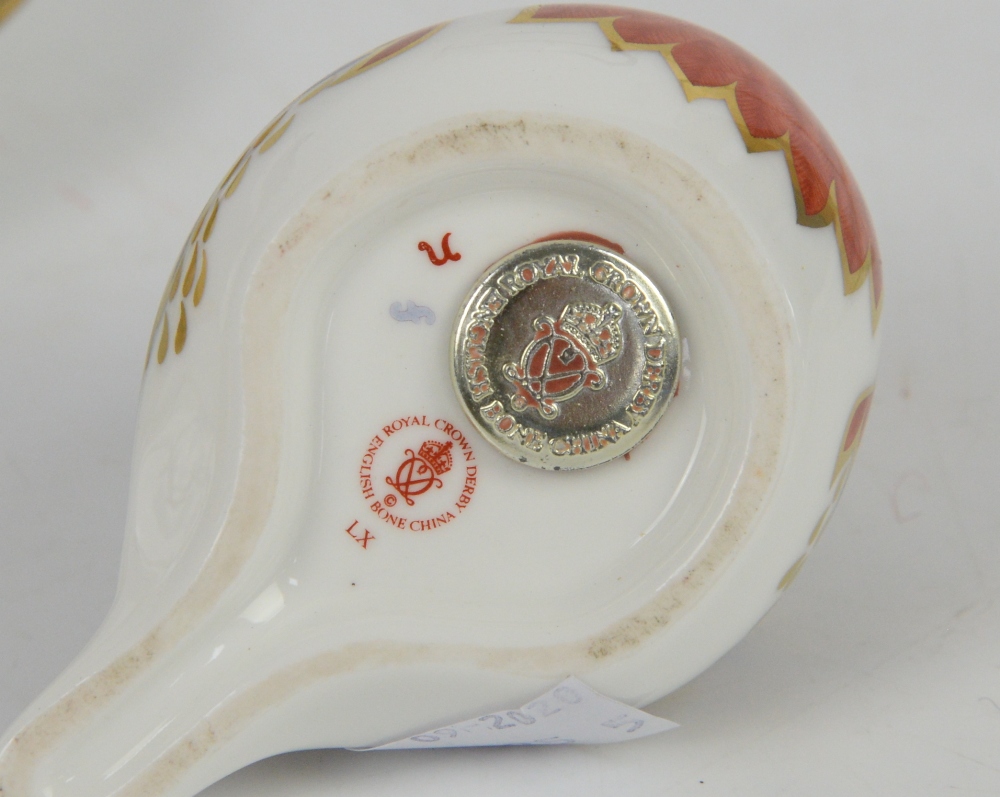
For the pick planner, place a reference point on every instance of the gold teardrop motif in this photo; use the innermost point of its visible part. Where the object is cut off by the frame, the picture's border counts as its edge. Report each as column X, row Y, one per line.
column 189, row 277
column 233, row 169
column 199, row 289
column 236, row 180
column 182, row 329
column 8, row 7
column 793, row 571
column 275, row 136
column 198, row 225
column 211, row 222
column 266, row 131
column 161, row 352
column 175, row 278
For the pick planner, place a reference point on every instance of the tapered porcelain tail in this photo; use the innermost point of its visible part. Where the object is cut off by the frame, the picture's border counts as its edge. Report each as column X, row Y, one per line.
column 218, row 701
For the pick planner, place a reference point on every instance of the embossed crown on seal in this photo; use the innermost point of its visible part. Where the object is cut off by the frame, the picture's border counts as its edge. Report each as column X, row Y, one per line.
column 565, row 356
column 597, row 328
column 436, row 455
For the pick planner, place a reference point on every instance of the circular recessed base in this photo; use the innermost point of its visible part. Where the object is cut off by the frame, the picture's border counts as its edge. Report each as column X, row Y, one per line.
column 592, row 547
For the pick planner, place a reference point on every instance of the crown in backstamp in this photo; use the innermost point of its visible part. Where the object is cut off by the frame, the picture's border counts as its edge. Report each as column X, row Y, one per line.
column 598, row 329
column 437, row 455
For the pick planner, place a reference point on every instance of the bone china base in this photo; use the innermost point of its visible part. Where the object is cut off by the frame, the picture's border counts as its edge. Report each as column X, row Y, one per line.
column 289, row 582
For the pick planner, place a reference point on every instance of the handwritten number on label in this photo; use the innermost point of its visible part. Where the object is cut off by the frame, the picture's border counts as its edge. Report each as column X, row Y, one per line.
column 518, row 717
column 584, row 716
column 542, row 708
column 566, row 695
column 435, row 736
column 623, row 720
column 498, row 722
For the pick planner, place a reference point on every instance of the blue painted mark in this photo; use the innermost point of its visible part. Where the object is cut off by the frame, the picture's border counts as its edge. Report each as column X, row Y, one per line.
column 413, row 312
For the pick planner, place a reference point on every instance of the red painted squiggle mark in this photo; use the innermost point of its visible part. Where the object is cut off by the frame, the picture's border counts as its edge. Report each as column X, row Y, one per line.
column 446, row 253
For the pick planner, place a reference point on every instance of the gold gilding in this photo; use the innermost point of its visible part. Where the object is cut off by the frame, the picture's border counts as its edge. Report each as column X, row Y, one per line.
column 366, row 62
column 793, row 571
column 277, row 134
column 236, row 180
column 161, row 352
column 848, row 444
column 197, row 241
column 182, row 328
column 199, row 288
column 205, row 225
column 175, row 280
column 189, row 276
column 209, row 225
column 8, row 7
column 828, row 215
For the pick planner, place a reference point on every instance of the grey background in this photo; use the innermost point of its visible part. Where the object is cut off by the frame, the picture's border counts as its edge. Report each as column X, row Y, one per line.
column 878, row 673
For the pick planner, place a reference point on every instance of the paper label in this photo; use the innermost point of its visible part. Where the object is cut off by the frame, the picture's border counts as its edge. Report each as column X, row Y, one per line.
column 571, row 713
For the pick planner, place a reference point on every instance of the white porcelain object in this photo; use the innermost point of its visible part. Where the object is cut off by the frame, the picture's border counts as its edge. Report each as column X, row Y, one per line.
column 278, row 592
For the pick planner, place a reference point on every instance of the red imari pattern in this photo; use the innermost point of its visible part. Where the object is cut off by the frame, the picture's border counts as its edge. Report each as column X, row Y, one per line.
column 768, row 113
column 855, row 428
column 848, row 448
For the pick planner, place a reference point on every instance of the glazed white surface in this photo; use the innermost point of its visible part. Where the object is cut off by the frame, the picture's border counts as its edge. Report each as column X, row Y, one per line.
column 910, row 486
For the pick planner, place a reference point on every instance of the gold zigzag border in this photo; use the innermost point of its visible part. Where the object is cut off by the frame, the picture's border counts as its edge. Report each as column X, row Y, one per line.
column 830, row 212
